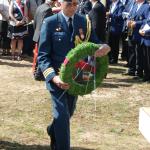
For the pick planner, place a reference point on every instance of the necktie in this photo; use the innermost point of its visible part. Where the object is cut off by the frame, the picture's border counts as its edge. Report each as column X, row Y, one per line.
column 70, row 25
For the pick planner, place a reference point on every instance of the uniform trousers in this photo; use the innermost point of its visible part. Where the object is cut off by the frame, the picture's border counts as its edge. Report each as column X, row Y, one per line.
column 63, row 106
column 139, row 60
column 135, row 58
column 114, row 44
column 146, row 61
column 124, row 54
column 132, row 56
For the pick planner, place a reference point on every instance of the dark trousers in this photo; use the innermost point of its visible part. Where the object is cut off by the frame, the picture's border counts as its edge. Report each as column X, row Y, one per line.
column 28, row 44
column 135, row 58
column 139, row 60
column 4, row 40
column 63, row 106
column 114, row 44
column 132, row 56
column 124, row 54
column 146, row 61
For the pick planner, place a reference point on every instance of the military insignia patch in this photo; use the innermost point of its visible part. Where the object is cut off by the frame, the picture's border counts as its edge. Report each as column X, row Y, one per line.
column 58, row 29
column 141, row 18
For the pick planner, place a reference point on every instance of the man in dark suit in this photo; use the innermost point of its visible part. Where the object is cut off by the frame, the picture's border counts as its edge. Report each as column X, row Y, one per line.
column 57, row 38
column 28, row 42
column 115, row 25
column 98, row 19
column 43, row 11
column 32, row 5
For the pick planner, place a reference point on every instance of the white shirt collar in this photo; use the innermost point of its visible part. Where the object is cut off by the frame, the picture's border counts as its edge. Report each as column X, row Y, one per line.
column 113, row 6
column 66, row 17
column 115, row 3
column 93, row 4
column 139, row 5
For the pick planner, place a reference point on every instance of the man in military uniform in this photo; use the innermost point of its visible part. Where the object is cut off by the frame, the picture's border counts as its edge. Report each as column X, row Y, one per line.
column 98, row 19
column 137, row 16
column 124, row 37
column 57, row 38
column 115, row 26
column 145, row 46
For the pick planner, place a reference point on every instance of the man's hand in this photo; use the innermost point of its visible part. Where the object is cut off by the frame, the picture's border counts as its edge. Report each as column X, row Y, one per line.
column 142, row 32
column 107, row 14
column 129, row 23
column 60, row 83
column 102, row 51
column 133, row 24
column 18, row 23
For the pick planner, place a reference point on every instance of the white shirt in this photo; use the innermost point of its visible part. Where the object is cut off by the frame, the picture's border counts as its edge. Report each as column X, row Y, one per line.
column 93, row 4
column 139, row 5
column 67, row 18
column 113, row 6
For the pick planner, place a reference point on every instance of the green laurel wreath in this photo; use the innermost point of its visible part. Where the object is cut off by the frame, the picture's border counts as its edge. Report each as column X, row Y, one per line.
column 75, row 55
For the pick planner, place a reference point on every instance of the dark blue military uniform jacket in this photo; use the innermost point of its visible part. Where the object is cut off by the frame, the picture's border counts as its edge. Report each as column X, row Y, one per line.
column 146, row 38
column 56, row 41
column 140, row 16
column 116, row 19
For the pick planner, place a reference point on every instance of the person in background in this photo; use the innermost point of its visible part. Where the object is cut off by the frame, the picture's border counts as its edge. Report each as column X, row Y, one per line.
column 32, row 5
column 108, row 4
column 124, row 37
column 145, row 46
column 4, row 18
column 137, row 16
column 28, row 40
column 56, row 8
column 17, row 29
column 115, row 26
column 84, row 7
column 57, row 38
column 42, row 12
column 98, row 19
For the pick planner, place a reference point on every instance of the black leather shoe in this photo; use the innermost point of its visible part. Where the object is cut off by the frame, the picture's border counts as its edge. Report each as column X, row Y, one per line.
column 139, row 74
column 52, row 145
column 52, row 139
column 145, row 79
column 129, row 74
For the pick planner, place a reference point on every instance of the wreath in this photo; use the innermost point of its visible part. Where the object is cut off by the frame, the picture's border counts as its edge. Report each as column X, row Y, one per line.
column 73, row 67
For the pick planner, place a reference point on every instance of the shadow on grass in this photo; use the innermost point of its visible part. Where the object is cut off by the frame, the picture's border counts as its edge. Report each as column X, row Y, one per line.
column 6, row 145
column 116, row 70
column 121, row 83
column 15, row 64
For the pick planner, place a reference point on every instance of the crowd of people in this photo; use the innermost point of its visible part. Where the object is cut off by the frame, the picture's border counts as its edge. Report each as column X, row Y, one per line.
column 118, row 22
column 17, row 26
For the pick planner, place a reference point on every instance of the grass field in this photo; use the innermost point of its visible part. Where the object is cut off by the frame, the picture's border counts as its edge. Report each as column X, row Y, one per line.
column 107, row 119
